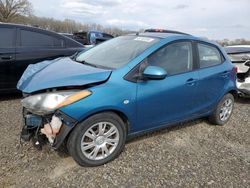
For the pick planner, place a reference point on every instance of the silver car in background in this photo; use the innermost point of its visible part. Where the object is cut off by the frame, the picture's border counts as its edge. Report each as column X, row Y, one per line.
column 240, row 57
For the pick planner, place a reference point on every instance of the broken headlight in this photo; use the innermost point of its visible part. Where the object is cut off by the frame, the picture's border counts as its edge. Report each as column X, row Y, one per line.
column 48, row 102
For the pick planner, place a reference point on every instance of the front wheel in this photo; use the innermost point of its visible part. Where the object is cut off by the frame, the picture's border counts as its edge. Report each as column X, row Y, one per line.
column 223, row 111
column 97, row 140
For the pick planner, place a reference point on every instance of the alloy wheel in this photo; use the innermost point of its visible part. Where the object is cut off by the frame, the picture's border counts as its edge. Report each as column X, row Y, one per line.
column 226, row 109
column 99, row 141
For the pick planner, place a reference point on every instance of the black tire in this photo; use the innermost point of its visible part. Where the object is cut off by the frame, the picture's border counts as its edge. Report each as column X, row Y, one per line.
column 75, row 138
column 214, row 118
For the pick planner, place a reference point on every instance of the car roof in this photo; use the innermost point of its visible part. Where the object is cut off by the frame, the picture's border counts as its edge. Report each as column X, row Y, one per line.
column 237, row 49
column 65, row 33
column 37, row 29
column 23, row 26
column 30, row 27
column 242, row 46
column 160, row 34
column 177, row 35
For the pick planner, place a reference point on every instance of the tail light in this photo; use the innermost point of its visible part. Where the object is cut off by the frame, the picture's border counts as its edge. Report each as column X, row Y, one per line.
column 234, row 72
column 235, row 69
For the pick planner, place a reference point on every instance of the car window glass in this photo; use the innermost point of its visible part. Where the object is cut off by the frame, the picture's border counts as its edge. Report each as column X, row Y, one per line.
column 116, row 52
column 35, row 39
column 6, row 37
column 107, row 36
column 208, row 55
column 58, row 42
column 174, row 58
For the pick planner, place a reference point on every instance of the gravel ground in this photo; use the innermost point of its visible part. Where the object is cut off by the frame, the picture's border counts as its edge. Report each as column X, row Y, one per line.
column 193, row 154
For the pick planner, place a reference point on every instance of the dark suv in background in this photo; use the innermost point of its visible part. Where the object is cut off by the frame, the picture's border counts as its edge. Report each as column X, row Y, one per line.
column 89, row 37
column 23, row 45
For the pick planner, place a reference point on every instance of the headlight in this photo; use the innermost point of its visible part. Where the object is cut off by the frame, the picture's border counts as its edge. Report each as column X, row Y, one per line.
column 48, row 102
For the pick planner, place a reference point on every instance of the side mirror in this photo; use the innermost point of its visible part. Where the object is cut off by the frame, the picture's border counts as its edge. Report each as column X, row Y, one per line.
column 154, row 73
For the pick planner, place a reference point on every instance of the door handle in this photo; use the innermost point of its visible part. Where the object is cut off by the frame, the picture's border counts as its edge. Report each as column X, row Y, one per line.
column 224, row 74
column 6, row 57
column 191, row 81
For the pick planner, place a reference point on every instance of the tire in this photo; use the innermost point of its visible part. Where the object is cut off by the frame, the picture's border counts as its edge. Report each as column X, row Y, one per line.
column 89, row 132
column 217, row 116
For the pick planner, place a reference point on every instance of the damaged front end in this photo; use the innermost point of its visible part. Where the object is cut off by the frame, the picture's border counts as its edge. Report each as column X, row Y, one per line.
column 51, row 129
column 48, row 86
column 43, row 122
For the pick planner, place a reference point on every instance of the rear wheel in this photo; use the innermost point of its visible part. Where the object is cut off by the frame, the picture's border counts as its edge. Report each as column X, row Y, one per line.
column 223, row 111
column 97, row 140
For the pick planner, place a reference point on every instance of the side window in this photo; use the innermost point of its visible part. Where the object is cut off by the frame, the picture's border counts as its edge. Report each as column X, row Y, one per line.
column 209, row 55
column 174, row 58
column 58, row 42
column 35, row 39
column 7, row 36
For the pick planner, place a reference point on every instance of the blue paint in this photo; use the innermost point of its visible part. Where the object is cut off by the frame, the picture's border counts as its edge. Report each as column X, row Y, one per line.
column 152, row 103
column 60, row 73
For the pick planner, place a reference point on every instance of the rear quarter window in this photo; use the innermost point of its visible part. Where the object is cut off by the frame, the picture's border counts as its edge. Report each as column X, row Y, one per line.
column 209, row 55
column 36, row 39
column 7, row 37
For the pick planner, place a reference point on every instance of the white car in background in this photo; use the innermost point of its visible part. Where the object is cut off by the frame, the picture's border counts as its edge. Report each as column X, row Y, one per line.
column 240, row 57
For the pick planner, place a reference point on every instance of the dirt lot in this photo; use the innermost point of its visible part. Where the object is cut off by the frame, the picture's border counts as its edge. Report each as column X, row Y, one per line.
column 194, row 154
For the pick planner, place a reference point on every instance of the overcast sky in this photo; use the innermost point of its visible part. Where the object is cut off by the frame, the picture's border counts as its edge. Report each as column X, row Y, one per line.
column 215, row 19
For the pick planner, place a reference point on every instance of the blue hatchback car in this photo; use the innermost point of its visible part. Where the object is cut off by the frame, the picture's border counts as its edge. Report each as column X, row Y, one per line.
column 128, row 85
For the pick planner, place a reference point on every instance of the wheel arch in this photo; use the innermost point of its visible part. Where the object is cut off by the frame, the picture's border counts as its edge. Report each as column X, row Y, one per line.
column 233, row 92
column 119, row 113
column 66, row 130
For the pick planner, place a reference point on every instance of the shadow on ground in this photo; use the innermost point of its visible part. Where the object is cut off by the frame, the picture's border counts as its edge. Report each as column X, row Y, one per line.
column 165, row 129
column 12, row 96
column 243, row 100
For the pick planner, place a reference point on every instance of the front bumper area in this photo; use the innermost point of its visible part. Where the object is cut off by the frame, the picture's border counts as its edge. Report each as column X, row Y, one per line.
column 67, row 125
column 34, row 126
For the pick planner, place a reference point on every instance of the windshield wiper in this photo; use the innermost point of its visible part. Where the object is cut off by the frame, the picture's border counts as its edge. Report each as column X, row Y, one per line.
column 94, row 65
column 86, row 63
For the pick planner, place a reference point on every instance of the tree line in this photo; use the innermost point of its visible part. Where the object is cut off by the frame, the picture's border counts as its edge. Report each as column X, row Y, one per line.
column 21, row 12
column 67, row 25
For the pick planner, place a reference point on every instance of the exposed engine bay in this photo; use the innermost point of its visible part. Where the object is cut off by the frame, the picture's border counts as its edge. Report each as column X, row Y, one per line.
column 51, row 90
column 43, row 129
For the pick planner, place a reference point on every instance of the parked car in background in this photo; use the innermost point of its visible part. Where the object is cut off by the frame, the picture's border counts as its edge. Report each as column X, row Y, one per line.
column 72, row 36
column 240, row 56
column 90, row 37
column 23, row 45
column 126, row 86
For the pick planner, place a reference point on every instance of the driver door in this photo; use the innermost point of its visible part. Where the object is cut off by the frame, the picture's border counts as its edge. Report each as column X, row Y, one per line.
column 7, row 57
column 173, row 98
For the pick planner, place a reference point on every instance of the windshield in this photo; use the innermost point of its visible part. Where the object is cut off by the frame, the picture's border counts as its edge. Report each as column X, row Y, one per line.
column 116, row 52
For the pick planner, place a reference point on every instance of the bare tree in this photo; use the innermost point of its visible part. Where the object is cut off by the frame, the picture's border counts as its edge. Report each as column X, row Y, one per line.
column 12, row 9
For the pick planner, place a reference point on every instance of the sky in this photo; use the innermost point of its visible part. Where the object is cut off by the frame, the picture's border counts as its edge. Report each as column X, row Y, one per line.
column 214, row 19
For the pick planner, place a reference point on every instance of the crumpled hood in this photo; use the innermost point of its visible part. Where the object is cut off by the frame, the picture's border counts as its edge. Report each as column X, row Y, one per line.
column 59, row 73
